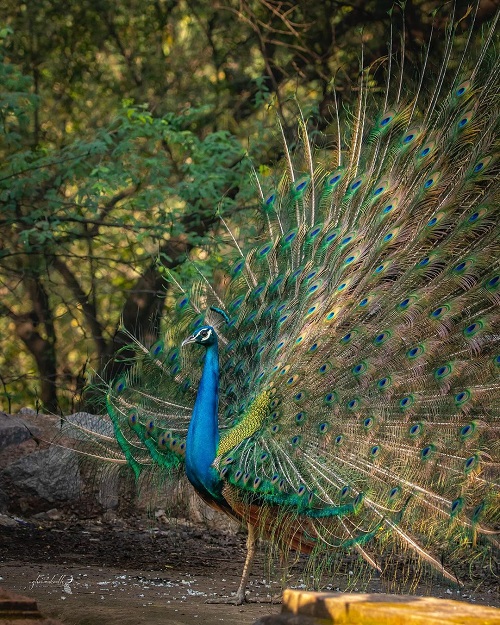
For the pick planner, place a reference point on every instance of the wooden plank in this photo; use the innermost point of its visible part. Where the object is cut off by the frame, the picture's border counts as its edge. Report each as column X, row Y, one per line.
column 381, row 609
column 10, row 602
column 18, row 610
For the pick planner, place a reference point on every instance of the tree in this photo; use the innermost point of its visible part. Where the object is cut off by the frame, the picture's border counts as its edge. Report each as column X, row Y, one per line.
column 119, row 140
column 82, row 226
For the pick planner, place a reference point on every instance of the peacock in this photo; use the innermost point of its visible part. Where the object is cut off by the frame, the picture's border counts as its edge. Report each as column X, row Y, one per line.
column 341, row 395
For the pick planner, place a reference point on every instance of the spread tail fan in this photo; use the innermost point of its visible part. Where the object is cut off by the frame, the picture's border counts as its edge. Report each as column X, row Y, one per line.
column 353, row 363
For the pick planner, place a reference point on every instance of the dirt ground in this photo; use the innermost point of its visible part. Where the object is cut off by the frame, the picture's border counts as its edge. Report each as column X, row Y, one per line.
column 90, row 575
column 95, row 573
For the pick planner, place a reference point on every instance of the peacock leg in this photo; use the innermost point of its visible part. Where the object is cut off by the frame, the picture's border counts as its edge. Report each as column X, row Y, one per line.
column 240, row 597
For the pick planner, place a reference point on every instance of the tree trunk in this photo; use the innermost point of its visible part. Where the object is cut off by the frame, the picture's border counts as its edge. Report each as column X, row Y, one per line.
column 42, row 348
column 144, row 306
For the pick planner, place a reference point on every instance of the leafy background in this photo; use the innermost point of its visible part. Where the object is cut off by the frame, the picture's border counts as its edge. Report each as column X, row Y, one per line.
column 127, row 127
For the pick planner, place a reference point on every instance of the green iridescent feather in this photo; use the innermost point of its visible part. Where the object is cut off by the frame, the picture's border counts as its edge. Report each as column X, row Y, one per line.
column 359, row 361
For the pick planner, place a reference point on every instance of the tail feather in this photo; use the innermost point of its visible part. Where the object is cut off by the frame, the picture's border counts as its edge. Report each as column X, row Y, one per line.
column 365, row 319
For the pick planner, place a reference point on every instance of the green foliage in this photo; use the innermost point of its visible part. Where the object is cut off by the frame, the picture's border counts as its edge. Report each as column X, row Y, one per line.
column 122, row 132
column 80, row 223
column 16, row 101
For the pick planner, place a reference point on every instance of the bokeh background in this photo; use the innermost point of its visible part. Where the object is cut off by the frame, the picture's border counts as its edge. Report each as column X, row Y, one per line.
column 127, row 127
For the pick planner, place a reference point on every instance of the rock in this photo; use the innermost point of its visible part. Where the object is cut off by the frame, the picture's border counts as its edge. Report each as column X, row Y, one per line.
column 161, row 517
column 109, row 489
column 52, row 515
column 28, row 412
column 7, row 521
column 109, row 517
column 4, row 501
column 14, row 430
column 51, row 474
column 75, row 424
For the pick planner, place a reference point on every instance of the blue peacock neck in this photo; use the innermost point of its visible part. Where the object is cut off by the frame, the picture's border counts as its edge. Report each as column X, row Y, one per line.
column 203, row 432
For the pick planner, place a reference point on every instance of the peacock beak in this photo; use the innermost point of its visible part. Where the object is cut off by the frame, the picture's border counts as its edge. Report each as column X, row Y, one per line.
column 190, row 339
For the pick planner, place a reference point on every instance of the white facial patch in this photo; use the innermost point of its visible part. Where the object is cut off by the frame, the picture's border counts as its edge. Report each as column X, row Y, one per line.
column 204, row 335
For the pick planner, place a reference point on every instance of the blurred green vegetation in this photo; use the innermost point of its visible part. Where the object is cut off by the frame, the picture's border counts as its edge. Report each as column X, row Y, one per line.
column 125, row 128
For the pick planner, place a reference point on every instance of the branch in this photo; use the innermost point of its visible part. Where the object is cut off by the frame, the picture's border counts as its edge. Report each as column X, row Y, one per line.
column 107, row 208
column 88, row 307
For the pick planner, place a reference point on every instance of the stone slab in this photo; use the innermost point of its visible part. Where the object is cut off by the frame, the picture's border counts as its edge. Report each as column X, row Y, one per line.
column 14, row 430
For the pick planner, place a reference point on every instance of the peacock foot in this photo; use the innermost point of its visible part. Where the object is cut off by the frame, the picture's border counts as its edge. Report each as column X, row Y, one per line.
column 241, row 598
column 275, row 599
column 238, row 599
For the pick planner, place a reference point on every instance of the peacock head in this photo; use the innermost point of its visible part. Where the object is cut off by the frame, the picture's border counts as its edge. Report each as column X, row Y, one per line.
column 203, row 336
